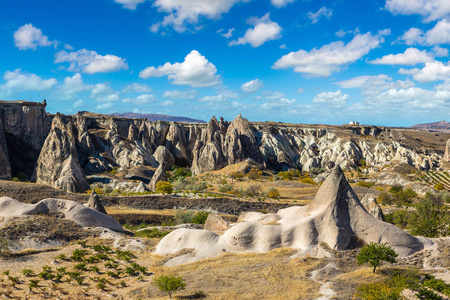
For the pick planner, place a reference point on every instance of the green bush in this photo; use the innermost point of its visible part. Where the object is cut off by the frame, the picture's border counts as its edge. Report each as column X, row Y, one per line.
column 225, row 188
column 183, row 216
column 273, row 193
column 164, row 187
column 365, row 184
column 375, row 254
column 200, row 217
column 152, row 233
column 316, row 171
column 431, row 218
column 169, row 284
column 286, row 175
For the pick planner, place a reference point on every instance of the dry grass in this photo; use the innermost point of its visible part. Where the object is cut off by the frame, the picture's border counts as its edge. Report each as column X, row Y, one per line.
column 273, row 275
column 113, row 210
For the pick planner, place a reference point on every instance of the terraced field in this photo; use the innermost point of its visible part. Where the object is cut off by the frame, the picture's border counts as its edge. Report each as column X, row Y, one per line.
column 434, row 178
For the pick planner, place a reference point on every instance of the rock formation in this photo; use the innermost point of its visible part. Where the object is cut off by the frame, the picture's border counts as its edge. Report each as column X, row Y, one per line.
column 216, row 224
column 72, row 210
column 160, row 175
column 141, row 188
column 370, row 204
column 100, row 142
column 446, row 157
column 58, row 164
column 335, row 217
column 94, row 203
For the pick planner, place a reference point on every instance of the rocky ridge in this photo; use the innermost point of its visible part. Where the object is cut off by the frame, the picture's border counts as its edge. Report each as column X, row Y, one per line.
column 91, row 143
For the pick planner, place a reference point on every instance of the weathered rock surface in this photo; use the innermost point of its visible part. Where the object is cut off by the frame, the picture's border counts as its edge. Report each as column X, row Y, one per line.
column 5, row 167
column 72, row 210
column 94, row 203
column 446, row 157
column 163, row 156
column 160, row 175
column 58, row 164
column 216, row 224
column 335, row 217
column 141, row 188
column 370, row 204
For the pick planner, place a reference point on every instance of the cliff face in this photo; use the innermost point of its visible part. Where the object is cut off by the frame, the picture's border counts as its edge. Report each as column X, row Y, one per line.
column 88, row 143
column 23, row 129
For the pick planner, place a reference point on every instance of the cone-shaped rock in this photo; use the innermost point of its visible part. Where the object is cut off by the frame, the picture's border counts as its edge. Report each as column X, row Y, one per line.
column 160, row 175
column 95, row 204
column 446, row 157
column 141, row 188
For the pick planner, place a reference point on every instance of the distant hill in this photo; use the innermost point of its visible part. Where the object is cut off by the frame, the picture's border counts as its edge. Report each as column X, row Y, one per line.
column 158, row 117
column 435, row 126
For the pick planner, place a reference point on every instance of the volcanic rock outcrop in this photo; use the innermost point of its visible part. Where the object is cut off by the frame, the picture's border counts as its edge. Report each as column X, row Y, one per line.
column 94, row 203
column 335, row 217
column 160, row 175
column 72, row 210
column 370, row 204
column 98, row 143
column 58, row 164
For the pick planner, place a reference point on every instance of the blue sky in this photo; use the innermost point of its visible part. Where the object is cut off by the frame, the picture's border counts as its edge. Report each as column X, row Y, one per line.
column 379, row 62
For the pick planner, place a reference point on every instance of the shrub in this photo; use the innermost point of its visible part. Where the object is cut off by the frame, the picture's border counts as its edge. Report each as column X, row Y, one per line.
column 273, row 193
column 225, row 188
column 164, row 187
column 316, row 171
column 362, row 163
column 375, row 253
column 286, row 175
column 152, row 233
column 200, row 217
column 430, row 218
column 253, row 190
column 385, row 198
column 400, row 218
column 254, row 174
column 366, row 184
column 183, row 216
column 170, row 284
column 236, row 176
column 308, row 180
column 439, row 186
column 379, row 291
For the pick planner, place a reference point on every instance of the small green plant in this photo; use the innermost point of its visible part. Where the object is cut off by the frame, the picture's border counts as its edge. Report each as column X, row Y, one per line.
column 273, row 193
column 78, row 254
column 169, row 284
column 33, row 284
column 164, row 187
column 61, row 270
column 200, row 217
column 95, row 269
column 27, row 272
column 80, row 266
column 124, row 255
column 62, row 257
column 82, row 244
column 152, row 233
column 375, row 254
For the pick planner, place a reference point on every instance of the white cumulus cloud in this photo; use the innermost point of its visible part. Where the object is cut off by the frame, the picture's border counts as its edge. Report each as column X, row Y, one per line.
column 102, row 92
column 374, row 85
column 432, row 71
column 439, row 34
column 278, row 103
column 322, row 12
column 30, row 37
column 129, row 4
column 411, row 56
column 252, row 86
column 141, row 99
column 332, row 57
column 182, row 12
column 137, row 88
column 70, row 88
column 91, row 62
column 195, row 70
column 331, row 97
column 431, row 10
column 176, row 94
column 19, row 81
column 264, row 30
column 280, row 3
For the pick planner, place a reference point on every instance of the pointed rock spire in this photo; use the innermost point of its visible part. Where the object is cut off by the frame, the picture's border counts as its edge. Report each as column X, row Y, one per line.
column 95, row 204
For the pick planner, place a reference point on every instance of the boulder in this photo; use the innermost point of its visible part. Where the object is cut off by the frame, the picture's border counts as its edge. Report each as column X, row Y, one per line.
column 216, row 224
column 73, row 211
column 141, row 188
column 94, row 203
column 160, row 175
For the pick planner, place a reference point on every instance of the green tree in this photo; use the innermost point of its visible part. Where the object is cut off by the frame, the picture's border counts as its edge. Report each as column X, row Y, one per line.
column 439, row 186
column 164, row 187
column 430, row 218
column 170, row 284
column 254, row 174
column 375, row 254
